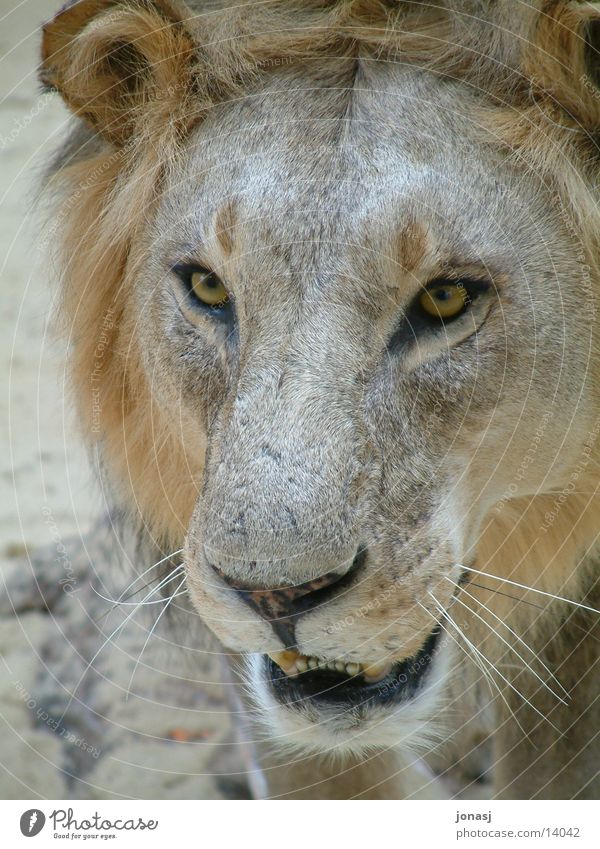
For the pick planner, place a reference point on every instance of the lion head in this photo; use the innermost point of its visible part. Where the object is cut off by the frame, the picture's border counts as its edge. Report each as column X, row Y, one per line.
column 342, row 257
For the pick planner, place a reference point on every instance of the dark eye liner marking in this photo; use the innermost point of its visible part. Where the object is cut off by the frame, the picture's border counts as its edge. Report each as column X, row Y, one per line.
column 415, row 320
column 184, row 272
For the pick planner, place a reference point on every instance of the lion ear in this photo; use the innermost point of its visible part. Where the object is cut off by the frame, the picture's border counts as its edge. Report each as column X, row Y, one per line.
column 121, row 66
column 563, row 60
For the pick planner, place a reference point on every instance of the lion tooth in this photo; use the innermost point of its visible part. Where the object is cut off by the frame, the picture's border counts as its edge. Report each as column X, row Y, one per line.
column 302, row 664
column 293, row 664
column 286, row 660
column 376, row 672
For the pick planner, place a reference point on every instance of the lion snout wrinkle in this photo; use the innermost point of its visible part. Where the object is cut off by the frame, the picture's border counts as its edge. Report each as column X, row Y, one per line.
column 285, row 535
column 277, row 509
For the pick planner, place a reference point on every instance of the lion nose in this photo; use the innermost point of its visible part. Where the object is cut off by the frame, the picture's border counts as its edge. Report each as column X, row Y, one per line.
column 281, row 607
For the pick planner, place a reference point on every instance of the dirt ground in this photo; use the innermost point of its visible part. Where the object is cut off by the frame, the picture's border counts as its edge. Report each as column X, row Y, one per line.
column 66, row 734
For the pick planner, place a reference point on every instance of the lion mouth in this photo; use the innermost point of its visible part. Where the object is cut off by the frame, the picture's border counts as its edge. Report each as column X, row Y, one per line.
column 295, row 677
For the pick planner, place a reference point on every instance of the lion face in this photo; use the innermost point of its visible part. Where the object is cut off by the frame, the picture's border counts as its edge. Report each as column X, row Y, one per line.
column 351, row 312
column 360, row 315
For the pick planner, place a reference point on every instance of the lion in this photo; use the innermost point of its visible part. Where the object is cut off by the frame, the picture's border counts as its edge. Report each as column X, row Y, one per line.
column 329, row 274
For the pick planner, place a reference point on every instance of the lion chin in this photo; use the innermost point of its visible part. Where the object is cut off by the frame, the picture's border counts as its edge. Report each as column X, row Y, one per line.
column 328, row 711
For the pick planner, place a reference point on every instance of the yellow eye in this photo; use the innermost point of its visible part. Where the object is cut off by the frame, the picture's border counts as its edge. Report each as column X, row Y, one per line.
column 444, row 300
column 207, row 287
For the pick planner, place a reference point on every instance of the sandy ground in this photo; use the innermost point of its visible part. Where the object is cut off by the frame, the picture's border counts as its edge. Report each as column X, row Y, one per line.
column 170, row 737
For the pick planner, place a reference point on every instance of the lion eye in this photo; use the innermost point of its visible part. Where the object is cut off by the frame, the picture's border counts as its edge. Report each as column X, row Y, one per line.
column 444, row 300
column 208, row 289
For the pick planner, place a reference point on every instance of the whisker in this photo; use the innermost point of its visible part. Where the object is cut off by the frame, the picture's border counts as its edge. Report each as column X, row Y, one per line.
column 131, row 584
column 504, row 678
column 131, row 603
column 479, row 663
column 534, row 590
column 506, row 643
column 513, row 632
column 127, row 597
column 507, row 595
column 119, row 627
column 493, row 685
column 480, row 659
column 473, row 658
column 154, row 565
column 158, row 618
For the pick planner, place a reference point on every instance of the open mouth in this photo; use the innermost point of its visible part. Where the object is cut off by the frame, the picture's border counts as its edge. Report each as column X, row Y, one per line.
column 295, row 677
